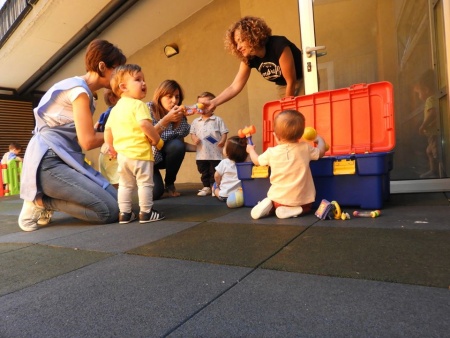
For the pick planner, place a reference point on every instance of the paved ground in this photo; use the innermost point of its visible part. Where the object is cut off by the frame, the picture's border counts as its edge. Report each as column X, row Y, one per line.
column 210, row 271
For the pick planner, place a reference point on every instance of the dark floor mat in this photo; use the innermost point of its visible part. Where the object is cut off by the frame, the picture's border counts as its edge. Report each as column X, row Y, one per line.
column 193, row 213
column 405, row 256
column 9, row 225
column 232, row 244
column 24, row 266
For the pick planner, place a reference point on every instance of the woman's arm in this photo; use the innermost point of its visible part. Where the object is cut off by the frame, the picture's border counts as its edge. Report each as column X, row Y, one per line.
column 287, row 66
column 109, row 140
column 232, row 90
column 88, row 138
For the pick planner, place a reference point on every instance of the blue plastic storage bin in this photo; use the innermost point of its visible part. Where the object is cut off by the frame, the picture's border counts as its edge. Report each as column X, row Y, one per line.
column 367, row 188
column 254, row 189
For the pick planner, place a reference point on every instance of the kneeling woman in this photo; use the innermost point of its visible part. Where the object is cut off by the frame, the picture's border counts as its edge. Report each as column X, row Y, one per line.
column 55, row 176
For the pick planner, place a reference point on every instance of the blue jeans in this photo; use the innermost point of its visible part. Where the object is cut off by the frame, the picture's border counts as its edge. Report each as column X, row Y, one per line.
column 69, row 191
column 173, row 155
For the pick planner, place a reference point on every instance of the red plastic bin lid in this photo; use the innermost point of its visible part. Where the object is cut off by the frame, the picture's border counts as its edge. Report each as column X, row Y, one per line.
column 354, row 120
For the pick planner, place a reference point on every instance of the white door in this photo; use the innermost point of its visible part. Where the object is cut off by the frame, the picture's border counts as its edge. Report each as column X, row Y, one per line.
column 347, row 42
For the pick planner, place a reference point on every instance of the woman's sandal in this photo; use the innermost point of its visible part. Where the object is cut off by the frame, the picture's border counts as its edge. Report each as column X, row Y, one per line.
column 171, row 191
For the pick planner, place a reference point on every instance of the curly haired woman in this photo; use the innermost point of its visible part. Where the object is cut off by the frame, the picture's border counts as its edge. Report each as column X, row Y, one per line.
column 275, row 57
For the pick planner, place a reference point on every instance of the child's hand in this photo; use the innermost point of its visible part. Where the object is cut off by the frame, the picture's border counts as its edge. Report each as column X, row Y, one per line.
column 195, row 139
column 321, row 145
column 112, row 152
column 250, row 148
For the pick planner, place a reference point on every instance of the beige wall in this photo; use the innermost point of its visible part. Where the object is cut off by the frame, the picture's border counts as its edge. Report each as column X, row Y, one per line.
column 203, row 64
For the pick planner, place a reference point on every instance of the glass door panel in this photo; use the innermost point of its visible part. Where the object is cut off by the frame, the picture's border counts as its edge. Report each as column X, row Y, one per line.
column 396, row 41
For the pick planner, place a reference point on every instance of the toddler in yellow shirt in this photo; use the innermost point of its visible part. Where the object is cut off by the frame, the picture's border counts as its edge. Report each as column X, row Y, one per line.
column 130, row 134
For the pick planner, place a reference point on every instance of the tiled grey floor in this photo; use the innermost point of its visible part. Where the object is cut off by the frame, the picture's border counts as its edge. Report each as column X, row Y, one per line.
column 73, row 279
column 282, row 304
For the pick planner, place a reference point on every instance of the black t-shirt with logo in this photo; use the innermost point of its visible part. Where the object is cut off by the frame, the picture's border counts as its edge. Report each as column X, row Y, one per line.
column 269, row 65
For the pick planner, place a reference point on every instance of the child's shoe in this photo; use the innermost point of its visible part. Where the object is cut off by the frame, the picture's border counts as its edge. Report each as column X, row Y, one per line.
column 126, row 217
column 152, row 216
column 204, row 192
column 288, row 212
column 262, row 209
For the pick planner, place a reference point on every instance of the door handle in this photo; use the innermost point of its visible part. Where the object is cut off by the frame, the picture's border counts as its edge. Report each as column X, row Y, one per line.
column 310, row 50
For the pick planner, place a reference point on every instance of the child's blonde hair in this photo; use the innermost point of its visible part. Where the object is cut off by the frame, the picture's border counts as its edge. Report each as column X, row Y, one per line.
column 208, row 95
column 289, row 125
column 119, row 74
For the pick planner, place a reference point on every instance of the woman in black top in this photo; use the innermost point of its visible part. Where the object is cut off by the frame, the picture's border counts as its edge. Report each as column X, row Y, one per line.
column 275, row 57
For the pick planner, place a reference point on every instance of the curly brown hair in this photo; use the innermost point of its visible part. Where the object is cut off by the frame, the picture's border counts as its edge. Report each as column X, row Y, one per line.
column 253, row 30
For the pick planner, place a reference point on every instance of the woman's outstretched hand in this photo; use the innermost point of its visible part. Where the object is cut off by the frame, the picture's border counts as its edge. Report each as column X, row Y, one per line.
column 209, row 105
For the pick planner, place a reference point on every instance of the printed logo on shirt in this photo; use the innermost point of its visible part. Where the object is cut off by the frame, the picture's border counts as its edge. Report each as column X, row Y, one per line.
column 269, row 70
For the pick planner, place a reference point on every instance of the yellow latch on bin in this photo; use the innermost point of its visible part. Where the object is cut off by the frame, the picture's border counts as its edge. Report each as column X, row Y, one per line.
column 260, row 171
column 344, row 167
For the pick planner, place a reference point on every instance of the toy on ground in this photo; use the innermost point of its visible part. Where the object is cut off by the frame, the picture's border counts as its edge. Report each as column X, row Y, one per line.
column 247, row 132
column 372, row 214
column 236, row 199
column 345, row 215
column 331, row 210
column 197, row 108
column 328, row 210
